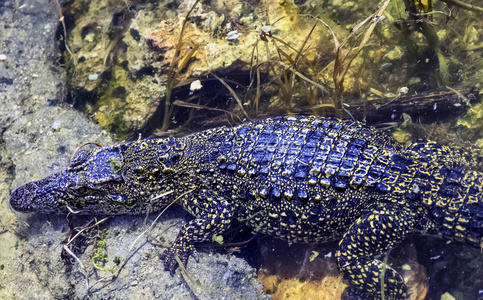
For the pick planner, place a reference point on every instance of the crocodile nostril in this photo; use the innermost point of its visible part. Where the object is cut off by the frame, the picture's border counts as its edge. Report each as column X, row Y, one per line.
column 17, row 198
column 18, row 193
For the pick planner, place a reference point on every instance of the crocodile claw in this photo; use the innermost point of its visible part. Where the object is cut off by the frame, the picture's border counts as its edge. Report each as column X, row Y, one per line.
column 183, row 252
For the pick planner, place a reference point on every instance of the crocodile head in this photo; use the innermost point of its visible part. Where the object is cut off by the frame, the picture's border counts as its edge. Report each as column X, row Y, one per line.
column 92, row 184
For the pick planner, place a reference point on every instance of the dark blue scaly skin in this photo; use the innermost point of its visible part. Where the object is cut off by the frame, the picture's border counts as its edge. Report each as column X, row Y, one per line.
column 302, row 179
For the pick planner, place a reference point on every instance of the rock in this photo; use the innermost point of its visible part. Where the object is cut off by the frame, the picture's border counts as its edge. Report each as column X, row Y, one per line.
column 39, row 134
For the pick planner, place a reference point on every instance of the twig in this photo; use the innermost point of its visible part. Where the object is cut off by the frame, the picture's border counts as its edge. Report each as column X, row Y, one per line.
column 343, row 63
column 464, row 5
column 302, row 76
column 199, row 106
column 61, row 19
column 336, row 42
column 180, row 263
column 232, row 92
column 131, row 246
column 79, row 262
column 239, row 243
column 86, row 228
column 383, row 273
column 175, row 68
column 76, row 150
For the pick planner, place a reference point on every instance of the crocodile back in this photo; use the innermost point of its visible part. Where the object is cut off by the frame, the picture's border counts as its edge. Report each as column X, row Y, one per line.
column 305, row 179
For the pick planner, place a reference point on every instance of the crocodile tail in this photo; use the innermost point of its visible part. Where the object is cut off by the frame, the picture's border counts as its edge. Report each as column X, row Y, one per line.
column 454, row 201
column 466, row 156
column 469, row 156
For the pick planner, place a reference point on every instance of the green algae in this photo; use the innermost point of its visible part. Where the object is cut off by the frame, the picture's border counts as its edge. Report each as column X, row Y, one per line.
column 473, row 119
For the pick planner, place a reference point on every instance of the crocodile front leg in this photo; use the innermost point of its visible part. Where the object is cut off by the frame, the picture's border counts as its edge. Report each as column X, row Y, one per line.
column 372, row 235
column 213, row 217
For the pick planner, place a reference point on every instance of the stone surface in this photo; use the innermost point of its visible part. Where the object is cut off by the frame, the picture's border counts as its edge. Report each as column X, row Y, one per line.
column 39, row 133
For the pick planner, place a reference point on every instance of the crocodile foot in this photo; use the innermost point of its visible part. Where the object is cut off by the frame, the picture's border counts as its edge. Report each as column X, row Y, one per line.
column 180, row 251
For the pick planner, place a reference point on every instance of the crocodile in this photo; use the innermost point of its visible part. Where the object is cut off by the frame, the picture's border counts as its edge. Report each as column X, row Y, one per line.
column 304, row 179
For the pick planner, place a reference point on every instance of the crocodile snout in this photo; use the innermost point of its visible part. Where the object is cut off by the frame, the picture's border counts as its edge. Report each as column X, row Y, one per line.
column 21, row 198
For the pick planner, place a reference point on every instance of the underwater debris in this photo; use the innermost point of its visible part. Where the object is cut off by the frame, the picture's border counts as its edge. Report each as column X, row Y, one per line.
column 233, row 35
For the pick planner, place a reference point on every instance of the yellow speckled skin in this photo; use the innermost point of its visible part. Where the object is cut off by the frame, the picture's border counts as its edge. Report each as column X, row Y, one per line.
column 303, row 179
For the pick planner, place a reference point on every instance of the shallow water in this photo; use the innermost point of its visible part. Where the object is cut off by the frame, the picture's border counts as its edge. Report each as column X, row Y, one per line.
column 108, row 77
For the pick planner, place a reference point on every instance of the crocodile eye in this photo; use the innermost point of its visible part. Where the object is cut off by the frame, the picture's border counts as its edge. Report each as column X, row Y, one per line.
column 81, row 190
column 78, row 190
